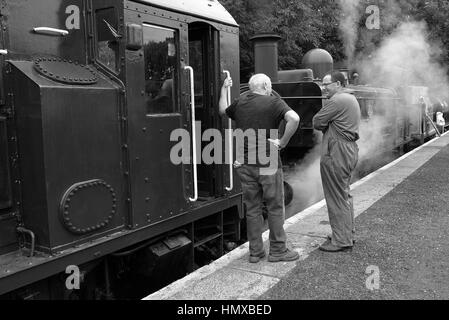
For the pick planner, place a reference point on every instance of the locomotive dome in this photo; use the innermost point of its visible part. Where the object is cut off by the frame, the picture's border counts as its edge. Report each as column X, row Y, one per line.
column 209, row 9
column 320, row 61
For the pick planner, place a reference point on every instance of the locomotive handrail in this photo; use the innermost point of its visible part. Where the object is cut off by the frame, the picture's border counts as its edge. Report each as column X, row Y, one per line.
column 326, row 98
column 32, row 237
column 231, row 146
column 195, row 164
column 305, row 97
column 51, row 30
column 433, row 125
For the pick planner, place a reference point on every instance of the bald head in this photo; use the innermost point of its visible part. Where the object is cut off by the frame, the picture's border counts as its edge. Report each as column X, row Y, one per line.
column 261, row 84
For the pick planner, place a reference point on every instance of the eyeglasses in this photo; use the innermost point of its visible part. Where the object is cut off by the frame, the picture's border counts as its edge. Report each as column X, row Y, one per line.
column 328, row 84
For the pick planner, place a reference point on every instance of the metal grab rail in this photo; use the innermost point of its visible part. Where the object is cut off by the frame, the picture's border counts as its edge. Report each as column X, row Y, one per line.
column 46, row 30
column 231, row 144
column 195, row 164
column 32, row 237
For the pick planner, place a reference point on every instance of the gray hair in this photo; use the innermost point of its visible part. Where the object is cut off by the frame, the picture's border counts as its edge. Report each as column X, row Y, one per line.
column 258, row 82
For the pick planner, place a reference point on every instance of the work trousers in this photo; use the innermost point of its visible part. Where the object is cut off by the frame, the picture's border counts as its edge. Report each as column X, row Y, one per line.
column 257, row 189
column 338, row 162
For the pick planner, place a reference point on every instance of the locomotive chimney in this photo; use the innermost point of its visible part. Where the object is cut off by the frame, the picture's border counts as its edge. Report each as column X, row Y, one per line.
column 266, row 55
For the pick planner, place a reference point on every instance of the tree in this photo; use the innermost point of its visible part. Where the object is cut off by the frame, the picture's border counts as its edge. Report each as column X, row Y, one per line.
column 299, row 23
column 308, row 24
column 329, row 19
column 436, row 14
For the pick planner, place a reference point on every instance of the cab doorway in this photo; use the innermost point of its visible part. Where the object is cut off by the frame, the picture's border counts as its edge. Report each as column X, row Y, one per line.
column 203, row 58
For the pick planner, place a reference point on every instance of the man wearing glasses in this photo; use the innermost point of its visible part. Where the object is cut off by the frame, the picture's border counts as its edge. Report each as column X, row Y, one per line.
column 339, row 120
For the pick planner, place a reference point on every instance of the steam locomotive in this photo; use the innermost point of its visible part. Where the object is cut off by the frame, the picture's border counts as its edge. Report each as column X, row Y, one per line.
column 90, row 94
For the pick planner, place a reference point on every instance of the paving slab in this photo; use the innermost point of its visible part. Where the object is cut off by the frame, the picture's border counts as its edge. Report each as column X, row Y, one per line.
column 227, row 284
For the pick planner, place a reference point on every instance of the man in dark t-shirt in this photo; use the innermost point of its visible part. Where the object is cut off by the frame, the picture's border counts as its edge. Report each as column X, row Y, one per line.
column 258, row 116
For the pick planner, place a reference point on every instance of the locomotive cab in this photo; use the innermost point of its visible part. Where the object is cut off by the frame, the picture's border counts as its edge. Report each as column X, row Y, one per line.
column 173, row 79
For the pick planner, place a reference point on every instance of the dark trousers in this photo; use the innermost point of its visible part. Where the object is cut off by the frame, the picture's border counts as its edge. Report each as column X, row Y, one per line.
column 337, row 166
column 257, row 189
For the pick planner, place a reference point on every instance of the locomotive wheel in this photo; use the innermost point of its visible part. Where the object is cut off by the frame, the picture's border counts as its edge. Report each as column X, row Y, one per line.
column 288, row 193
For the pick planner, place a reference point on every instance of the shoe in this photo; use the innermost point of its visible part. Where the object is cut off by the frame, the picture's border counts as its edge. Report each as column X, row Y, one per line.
column 256, row 259
column 287, row 256
column 330, row 239
column 329, row 247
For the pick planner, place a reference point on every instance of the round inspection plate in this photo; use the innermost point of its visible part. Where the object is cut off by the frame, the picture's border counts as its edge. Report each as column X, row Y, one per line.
column 88, row 206
column 65, row 71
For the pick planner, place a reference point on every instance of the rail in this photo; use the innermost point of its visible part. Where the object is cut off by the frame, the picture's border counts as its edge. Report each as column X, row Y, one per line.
column 194, row 151
column 305, row 98
column 32, row 237
column 53, row 31
column 231, row 145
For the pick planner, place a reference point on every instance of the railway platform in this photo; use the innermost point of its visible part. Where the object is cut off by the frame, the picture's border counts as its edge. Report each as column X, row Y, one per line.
column 402, row 249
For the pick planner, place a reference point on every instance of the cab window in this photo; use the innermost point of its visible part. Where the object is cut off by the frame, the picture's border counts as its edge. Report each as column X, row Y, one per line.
column 107, row 38
column 161, row 58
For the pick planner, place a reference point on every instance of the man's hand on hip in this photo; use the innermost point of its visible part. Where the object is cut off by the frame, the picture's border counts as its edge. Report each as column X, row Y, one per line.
column 277, row 143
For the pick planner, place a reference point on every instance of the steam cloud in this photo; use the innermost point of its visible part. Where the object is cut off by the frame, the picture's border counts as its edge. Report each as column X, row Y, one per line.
column 305, row 179
column 348, row 25
column 405, row 59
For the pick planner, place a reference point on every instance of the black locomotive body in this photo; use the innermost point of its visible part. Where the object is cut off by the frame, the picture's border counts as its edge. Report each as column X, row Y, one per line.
column 91, row 92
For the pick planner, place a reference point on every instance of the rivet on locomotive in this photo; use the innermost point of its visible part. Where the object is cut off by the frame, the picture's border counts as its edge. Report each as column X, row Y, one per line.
column 90, row 94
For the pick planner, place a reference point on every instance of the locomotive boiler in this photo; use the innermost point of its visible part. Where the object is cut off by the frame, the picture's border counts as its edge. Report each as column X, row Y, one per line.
column 90, row 94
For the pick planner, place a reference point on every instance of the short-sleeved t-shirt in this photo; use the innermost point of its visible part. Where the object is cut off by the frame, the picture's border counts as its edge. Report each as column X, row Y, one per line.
column 258, row 114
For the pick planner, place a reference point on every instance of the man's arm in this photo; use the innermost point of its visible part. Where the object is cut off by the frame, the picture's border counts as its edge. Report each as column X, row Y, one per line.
column 323, row 118
column 292, row 119
column 223, row 104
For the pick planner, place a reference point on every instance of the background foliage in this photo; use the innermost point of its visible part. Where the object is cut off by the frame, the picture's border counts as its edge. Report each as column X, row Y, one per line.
column 308, row 24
